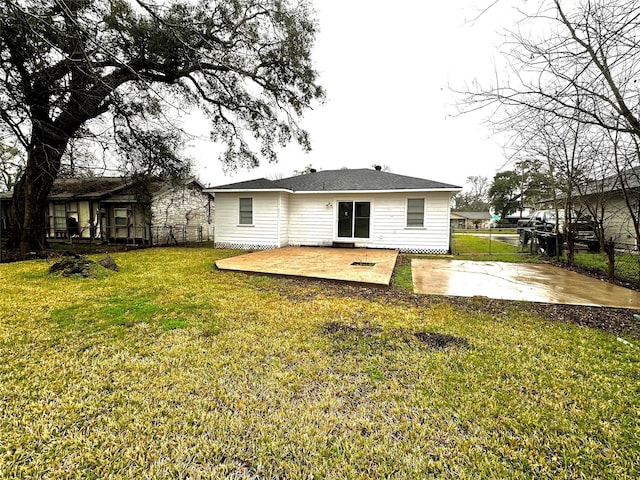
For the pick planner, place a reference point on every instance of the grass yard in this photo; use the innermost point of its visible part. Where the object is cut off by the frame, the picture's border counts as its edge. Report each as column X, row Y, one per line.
column 627, row 265
column 468, row 244
column 170, row 369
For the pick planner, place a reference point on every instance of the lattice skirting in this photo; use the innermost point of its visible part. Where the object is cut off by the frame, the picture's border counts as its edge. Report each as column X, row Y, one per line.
column 257, row 246
column 243, row 246
column 429, row 251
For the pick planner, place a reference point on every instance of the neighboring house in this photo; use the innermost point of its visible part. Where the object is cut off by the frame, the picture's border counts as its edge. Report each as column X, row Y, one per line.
column 360, row 208
column 116, row 209
column 607, row 196
column 470, row 220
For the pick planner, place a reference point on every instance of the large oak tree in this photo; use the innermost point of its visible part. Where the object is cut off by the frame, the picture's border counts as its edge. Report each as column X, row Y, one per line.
column 65, row 63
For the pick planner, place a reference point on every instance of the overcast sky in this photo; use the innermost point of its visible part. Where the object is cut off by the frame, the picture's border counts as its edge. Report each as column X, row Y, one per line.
column 387, row 67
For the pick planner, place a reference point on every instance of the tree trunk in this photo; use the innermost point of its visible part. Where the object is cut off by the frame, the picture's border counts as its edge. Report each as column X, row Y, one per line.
column 609, row 249
column 29, row 204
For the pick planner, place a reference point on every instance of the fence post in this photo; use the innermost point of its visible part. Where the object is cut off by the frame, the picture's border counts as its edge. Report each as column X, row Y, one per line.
column 451, row 241
column 489, row 239
column 610, row 250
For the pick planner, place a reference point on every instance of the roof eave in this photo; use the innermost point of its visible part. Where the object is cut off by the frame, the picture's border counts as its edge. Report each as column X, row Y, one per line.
column 246, row 190
column 334, row 192
column 369, row 192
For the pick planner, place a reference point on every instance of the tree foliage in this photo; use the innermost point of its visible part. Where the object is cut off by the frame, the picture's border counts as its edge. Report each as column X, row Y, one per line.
column 524, row 187
column 505, row 192
column 77, row 67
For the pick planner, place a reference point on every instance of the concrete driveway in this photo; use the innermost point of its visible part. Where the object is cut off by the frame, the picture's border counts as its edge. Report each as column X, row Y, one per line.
column 517, row 281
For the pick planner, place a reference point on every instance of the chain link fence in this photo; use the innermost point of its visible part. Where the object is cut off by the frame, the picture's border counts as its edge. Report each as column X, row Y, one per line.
column 114, row 238
column 624, row 257
column 143, row 235
column 626, row 262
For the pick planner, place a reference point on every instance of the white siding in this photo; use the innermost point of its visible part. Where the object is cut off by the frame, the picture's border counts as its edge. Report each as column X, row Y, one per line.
column 618, row 223
column 283, row 219
column 263, row 233
column 389, row 223
column 313, row 219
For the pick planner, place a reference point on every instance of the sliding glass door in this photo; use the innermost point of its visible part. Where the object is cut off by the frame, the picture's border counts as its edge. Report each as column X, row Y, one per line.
column 354, row 219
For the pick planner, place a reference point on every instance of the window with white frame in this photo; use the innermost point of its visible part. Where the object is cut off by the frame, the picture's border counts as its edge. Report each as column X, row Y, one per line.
column 415, row 212
column 245, row 216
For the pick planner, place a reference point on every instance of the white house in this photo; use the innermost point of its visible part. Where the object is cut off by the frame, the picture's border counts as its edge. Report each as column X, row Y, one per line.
column 360, row 208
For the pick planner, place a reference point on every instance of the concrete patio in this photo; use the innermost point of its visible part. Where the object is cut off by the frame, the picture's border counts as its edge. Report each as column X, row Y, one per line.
column 361, row 265
column 509, row 281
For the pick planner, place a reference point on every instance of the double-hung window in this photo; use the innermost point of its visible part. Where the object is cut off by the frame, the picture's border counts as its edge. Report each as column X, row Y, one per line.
column 120, row 217
column 245, row 216
column 59, row 217
column 415, row 212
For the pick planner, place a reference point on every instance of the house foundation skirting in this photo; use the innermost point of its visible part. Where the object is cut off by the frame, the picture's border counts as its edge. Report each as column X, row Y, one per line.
column 256, row 246
column 244, row 246
column 424, row 251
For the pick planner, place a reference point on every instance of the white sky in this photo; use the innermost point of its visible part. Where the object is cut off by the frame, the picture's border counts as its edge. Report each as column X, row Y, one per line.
column 386, row 67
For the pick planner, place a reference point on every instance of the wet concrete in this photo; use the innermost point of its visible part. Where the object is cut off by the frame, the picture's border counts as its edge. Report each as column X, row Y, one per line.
column 517, row 281
column 363, row 265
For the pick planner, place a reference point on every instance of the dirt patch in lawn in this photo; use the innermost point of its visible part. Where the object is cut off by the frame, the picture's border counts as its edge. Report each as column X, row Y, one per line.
column 440, row 341
column 618, row 321
column 336, row 328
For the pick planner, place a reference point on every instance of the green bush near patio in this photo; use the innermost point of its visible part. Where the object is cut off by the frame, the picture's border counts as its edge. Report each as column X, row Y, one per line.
column 171, row 369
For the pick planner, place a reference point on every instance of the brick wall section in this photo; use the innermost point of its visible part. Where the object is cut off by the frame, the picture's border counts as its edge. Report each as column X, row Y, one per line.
column 180, row 211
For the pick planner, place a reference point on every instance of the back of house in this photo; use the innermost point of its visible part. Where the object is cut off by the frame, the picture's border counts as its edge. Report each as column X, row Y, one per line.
column 360, row 207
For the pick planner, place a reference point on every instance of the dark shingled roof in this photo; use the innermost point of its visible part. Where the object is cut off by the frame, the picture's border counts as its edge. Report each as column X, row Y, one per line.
column 99, row 188
column 91, row 187
column 340, row 180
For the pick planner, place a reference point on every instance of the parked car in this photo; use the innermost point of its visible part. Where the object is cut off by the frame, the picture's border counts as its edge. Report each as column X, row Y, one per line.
column 550, row 232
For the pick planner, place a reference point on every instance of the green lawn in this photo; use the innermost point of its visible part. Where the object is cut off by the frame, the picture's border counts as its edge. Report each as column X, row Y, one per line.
column 627, row 265
column 170, row 369
column 466, row 246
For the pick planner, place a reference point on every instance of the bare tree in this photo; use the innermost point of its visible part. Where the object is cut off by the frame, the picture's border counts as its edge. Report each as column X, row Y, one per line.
column 581, row 68
column 10, row 166
column 475, row 195
column 563, row 154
